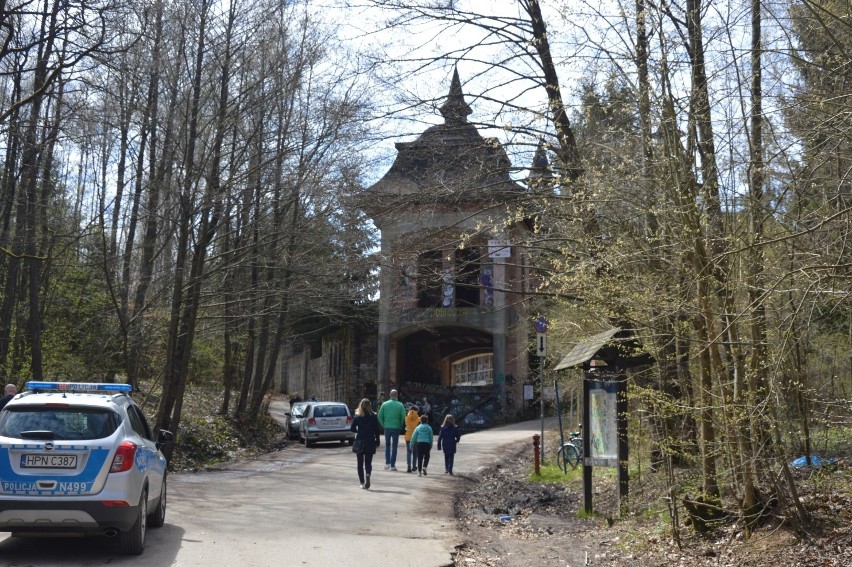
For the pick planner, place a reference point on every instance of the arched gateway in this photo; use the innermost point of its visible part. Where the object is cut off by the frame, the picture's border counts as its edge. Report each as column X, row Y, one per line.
column 453, row 321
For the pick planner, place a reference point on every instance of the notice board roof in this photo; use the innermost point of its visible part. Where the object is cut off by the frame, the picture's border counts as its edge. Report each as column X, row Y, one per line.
column 617, row 347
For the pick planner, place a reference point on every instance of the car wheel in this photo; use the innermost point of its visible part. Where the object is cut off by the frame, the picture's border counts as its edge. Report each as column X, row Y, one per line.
column 350, row 441
column 132, row 542
column 158, row 517
column 308, row 442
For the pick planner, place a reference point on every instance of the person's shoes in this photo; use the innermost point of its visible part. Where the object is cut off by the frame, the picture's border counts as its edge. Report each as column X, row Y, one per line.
column 387, row 467
column 409, row 469
column 446, row 472
column 367, row 484
column 424, row 472
column 451, row 473
column 393, row 469
column 362, row 485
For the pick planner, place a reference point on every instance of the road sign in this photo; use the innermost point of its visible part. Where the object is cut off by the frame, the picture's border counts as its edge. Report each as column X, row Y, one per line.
column 541, row 345
column 541, row 324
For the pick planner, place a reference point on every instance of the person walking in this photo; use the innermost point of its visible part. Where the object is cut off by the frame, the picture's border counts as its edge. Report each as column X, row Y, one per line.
column 8, row 393
column 367, row 431
column 412, row 420
column 423, row 437
column 392, row 420
column 448, row 438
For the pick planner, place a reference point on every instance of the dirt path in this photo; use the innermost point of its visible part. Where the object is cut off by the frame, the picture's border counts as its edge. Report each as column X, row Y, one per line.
column 510, row 522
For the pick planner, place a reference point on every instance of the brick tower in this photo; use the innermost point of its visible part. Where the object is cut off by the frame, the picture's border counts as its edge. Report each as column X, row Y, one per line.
column 453, row 321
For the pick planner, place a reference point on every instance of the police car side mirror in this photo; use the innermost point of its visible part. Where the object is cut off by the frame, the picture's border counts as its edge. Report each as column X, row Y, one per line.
column 165, row 437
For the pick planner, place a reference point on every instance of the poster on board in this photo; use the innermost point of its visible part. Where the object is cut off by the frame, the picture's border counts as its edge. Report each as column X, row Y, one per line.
column 603, row 424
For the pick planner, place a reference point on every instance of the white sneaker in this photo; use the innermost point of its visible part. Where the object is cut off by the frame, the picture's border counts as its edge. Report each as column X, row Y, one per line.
column 393, row 468
column 387, row 467
column 362, row 486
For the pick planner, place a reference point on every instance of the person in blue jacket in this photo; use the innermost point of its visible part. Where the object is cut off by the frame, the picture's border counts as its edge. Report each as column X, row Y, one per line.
column 422, row 438
column 367, row 431
column 448, row 438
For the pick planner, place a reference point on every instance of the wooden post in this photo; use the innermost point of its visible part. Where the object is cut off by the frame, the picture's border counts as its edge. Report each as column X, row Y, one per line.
column 623, row 447
column 537, row 456
column 587, row 469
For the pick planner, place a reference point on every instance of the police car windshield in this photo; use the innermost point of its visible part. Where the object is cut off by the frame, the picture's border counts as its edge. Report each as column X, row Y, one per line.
column 67, row 423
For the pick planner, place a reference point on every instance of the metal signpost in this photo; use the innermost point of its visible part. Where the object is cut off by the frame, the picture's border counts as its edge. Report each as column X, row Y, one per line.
column 540, row 325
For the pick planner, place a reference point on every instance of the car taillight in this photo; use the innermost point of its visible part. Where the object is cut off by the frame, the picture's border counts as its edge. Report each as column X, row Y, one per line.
column 349, row 419
column 123, row 459
column 312, row 421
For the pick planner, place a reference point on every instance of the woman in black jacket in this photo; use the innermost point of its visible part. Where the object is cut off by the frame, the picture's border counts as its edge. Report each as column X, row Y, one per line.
column 366, row 426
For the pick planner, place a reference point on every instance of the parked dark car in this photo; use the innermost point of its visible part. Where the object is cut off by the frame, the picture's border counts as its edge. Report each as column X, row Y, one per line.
column 294, row 418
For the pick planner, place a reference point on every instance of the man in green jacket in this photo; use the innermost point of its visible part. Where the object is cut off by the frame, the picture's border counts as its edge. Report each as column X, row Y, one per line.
column 392, row 420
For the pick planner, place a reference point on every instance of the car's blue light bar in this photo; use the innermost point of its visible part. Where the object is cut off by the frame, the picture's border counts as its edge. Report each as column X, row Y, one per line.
column 79, row 387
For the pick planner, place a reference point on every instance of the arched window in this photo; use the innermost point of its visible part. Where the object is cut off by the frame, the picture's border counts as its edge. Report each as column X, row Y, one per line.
column 475, row 370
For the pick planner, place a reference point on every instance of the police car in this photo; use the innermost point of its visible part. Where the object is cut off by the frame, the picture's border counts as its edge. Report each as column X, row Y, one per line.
column 80, row 458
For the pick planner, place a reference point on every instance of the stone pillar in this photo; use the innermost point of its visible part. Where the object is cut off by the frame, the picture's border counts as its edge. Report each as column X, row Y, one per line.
column 499, row 364
column 386, row 299
column 383, row 374
column 498, row 336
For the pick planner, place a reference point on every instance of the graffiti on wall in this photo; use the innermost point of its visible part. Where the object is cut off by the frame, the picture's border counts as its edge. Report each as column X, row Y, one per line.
column 473, row 407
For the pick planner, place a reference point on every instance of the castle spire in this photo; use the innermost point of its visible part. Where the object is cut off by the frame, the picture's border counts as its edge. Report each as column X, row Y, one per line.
column 540, row 162
column 455, row 108
column 541, row 176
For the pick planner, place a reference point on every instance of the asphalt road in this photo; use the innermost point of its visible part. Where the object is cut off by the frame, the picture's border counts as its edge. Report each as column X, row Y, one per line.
column 296, row 507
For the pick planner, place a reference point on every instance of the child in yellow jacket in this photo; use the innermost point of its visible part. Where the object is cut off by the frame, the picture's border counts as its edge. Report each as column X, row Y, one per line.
column 412, row 420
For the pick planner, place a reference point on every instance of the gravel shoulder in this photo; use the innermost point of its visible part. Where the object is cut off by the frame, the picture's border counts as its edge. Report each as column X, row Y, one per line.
column 507, row 521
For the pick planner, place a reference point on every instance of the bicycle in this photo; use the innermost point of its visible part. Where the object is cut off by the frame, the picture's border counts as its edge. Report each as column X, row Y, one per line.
column 571, row 452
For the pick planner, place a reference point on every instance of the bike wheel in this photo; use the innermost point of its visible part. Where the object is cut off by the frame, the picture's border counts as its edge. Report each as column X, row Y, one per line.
column 572, row 456
column 560, row 459
column 567, row 456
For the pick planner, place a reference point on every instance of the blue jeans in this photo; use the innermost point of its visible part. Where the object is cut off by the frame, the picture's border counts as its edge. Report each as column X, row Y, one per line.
column 365, row 463
column 448, row 461
column 391, row 442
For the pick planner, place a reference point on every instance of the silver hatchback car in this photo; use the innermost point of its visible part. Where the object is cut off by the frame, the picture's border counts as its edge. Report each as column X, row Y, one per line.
column 326, row 421
column 80, row 458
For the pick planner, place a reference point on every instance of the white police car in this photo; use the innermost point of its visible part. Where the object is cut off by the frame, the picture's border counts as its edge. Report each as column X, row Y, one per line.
column 80, row 458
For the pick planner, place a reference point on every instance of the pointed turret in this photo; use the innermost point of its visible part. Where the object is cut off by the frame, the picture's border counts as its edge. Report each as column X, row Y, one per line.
column 541, row 176
column 448, row 163
column 540, row 163
column 455, row 108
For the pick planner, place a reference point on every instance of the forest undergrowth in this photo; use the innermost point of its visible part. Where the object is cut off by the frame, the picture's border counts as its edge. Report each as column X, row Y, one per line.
column 512, row 518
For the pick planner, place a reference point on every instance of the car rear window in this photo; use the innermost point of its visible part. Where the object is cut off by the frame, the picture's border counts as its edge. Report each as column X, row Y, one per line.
column 331, row 411
column 66, row 423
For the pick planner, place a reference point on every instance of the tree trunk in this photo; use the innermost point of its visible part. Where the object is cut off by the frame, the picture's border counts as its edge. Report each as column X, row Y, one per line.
column 569, row 157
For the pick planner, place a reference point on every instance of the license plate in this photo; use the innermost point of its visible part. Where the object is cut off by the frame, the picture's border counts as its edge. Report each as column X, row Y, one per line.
column 49, row 461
